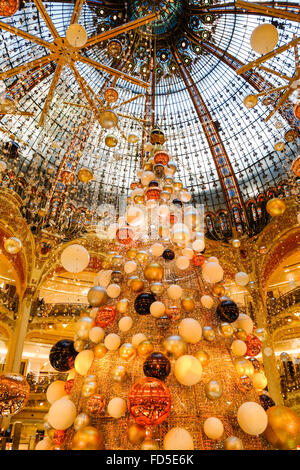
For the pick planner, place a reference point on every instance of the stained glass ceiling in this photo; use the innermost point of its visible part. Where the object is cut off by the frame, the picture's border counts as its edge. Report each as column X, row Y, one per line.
column 221, row 38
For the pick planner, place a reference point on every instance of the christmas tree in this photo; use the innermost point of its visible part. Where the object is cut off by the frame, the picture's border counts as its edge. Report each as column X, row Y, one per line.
column 162, row 359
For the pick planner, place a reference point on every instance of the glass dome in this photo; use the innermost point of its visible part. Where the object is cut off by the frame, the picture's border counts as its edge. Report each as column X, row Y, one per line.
column 190, row 56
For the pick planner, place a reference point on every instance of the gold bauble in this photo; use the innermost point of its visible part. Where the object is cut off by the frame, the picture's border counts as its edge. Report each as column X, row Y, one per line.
column 218, row 290
column 79, row 345
column 275, row 207
column 136, row 434
column 142, row 256
column 117, row 261
column 233, row 443
column 283, row 430
column 236, row 243
column 139, row 199
column 279, row 146
column 108, row 119
column 240, row 334
column 226, row 330
column 188, row 304
column 83, row 326
column 100, row 351
column 208, row 333
column 244, row 367
column 88, row 438
column 97, row 296
column 250, row 101
column 127, row 352
column 85, row 175
column 131, row 253
column 119, row 374
column 149, row 444
column 203, row 357
column 165, row 196
column 12, row 245
column 174, row 346
column 261, row 334
column 135, row 283
column 177, row 185
column 89, row 387
column 145, row 348
column 154, row 272
column 122, row 305
column 213, row 390
column 111, row 141
column 157, row 288
column 82, row 420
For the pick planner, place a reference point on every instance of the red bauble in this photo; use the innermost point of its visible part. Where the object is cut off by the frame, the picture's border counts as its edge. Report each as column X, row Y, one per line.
column 68, row 386
column 253, row 345
column 173, row 313
column 67, row 176
column 125, row 235
column 198, row 260
column 106, row 315
column 161, row 157
column 297, row 110
column 149, row 401
column 95, row 405
column 172, row 219
column 9, row 7
column 58, row 437
column 153, row 194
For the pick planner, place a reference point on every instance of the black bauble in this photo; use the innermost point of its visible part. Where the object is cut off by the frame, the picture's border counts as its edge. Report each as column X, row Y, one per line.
column 168, row 254
column 143, row 302
column 157, row 365
column 266, row 401
column 177, row 202
column 227, row 311
column 62, row 355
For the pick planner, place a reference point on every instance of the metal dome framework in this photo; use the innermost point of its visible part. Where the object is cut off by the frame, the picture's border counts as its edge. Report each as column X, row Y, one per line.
column 225, row 152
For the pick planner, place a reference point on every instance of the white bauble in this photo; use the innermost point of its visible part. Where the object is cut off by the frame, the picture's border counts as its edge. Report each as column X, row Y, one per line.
column 125, row 323
column 116, row 407
column 188, row 370
column 3, row 166
column 185, row 196
column 113, row 291
column 163, row 210
column 157, row 249
column 75, row 258
column 76, row 35
column 198, row 244
column 264, row 38
column 259, row 381
column 244, row 322
column 188, row 252
column 239, row 347
column 207, row 301
column 130, row 267
column 147, row 177
column 55, row 391
column 174, row 291
column 157, row 309
column 190, row 330
column 96, row 334
column 135, row 216
column 213, row 259
column 44, row 444
column 112, row 341
column 137, row 339
column 62, row 414
column 103, row 278
column 83, row 361
column 178, row 439
column 148, row 147
column 94, row 312
column 182, row 262
column 252, row 418
column 241, row 279
column 213, row 428
column 212, row 272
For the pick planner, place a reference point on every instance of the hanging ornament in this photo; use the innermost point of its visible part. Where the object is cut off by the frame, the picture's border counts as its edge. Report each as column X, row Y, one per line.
column 154, row 272
column 149, row 401
column 88, row 438
column 95, row 405
column 213, row 390
column 62, row 355
column 14, row 394
column 275, row 207
column 125, row 235
column 227, row 311
column 136, row 434
column 245, row 384
column 143, row 303
column 266, row 401
column 157, row 365
column 253, row 345
column 168, row 255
